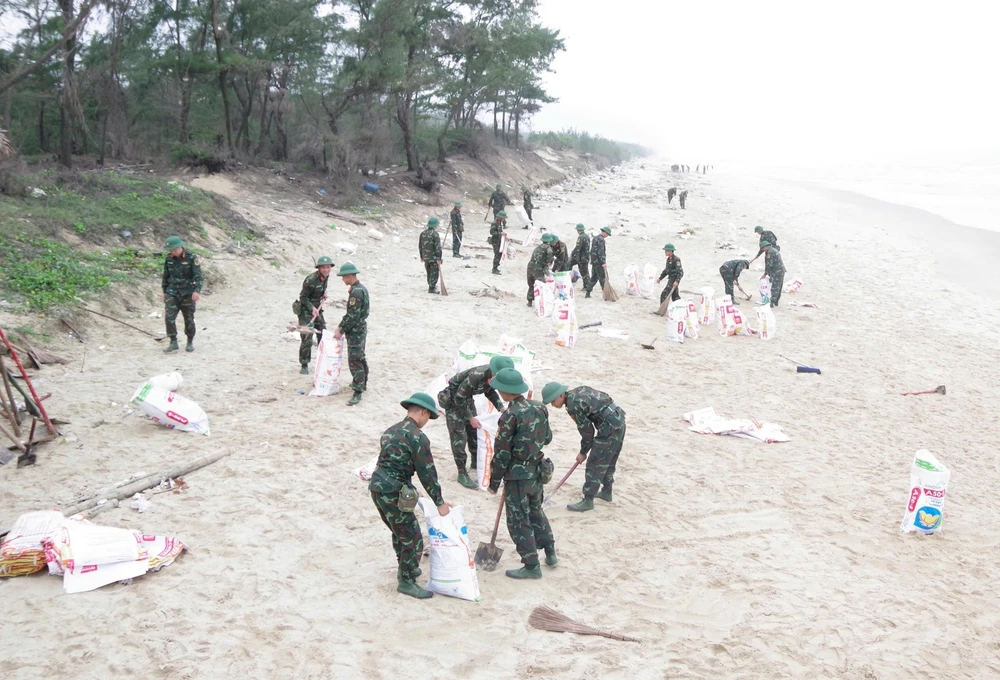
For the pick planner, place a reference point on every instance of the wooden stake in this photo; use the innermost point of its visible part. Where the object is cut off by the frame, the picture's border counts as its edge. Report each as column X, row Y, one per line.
column 27, row 380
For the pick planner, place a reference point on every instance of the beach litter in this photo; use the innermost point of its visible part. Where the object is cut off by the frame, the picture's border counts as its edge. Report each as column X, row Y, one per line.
column 707, row 421
column 612, row 333
column 929, row 479
column 940, row 389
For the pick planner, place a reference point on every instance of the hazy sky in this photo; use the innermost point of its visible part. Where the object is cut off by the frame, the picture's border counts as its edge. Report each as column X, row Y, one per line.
column 705, row 80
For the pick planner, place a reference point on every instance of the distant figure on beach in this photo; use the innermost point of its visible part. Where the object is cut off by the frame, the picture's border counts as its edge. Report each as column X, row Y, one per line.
column 671, row 192
column 683, row 199
column 675, row 168
column 774, row 268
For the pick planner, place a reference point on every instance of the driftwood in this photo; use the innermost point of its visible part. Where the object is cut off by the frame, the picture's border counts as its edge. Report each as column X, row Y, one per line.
column 346, row 218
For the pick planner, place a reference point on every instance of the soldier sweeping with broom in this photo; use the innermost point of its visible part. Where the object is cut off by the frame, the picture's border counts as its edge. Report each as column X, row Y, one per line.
column 405, row 450
column 601, row 423
column 519, row 462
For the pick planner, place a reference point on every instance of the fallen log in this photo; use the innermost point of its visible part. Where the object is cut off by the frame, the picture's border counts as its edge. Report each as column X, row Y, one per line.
column 346, row 218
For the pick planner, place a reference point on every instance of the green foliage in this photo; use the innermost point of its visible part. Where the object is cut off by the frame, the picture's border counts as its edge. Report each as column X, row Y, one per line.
column 584, row 142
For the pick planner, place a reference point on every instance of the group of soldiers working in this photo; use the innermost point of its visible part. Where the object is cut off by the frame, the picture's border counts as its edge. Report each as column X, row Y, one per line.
column 519, row 462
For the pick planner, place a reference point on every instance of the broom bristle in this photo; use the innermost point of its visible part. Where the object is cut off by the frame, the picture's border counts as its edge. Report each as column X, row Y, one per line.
column 546, row 618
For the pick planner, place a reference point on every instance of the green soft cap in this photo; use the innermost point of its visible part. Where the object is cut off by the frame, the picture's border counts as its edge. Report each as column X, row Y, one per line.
column 670, row 247
column 433, row 222
column 497, row 364
column 458, row 204
column 765, row 244
column 606, row 230
column 499, row 187
column 524, row 188
column 549, row 238
column 552, row 391
column 347, row 268
column 501, row 215
column 324, row 259
column 758, row 229
column 510, row 381
column 174, row 242
column 580, row 227
column 423, row 400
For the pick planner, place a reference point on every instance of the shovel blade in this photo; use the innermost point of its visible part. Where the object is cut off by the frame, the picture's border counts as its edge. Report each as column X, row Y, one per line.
column 488, row 556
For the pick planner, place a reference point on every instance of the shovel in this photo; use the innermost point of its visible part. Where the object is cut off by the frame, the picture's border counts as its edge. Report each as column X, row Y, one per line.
column 488, row 554
column 651, row 343
column 937, row 390
column 548, row 498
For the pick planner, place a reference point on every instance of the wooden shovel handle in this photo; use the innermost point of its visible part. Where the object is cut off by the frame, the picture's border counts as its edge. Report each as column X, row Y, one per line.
column 496, row 524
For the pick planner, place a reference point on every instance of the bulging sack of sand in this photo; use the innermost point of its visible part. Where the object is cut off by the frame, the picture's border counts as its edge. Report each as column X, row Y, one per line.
column 168, row 381
column 928, row 484
column 170, row 409
column 329, row 358
column 706, row 308
column 676, row 320
column 453, row 566
column 767, row 323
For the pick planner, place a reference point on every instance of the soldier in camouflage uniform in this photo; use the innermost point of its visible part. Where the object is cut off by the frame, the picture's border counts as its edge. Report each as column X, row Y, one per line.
column 730, row 272
column 673, row 272
column 601, row 423
column 517, row 461
column 430, row 253
column 774, row 268
column 539, row 264
column 498, row 201
column 457, row 230
column 182, row 284
column 460, row 411
column 405, row 450
column 580, row 257
column 683, row 197
column 560, row 255
column 310, row 312
column 598, row 259
column 354, row 326
column 528, row 206
column 765, row 235
column 496, row 238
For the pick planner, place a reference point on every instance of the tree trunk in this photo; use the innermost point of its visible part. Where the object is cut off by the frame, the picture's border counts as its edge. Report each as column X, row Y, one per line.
column 223, row 73
column 517, row 132
column 104, row 140
column 495, row 135
column 65, row 119
column 43, row 143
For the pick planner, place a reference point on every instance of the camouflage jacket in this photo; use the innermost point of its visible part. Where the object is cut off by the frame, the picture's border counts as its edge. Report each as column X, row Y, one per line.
column 767, row 236
column 772, row 262
column 521, row 433
column 733, row 268
column 598, row 251
column 405, row 449
column 457, row 223
column 464, row 386
column 496, row 229
column 673, row 271
column 541, row 259
column 313, row 290
column 430, row 245
column 354, row 320
column 560, row 257
column 526, row 196
column 581, row 252
column 182, row 275
column 593, row 411
column 498, row 200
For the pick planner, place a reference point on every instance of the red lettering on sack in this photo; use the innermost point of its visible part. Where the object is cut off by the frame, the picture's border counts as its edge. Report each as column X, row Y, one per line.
column 88, row 569
column 934, row 493
column 177, row 417
column 914, row 497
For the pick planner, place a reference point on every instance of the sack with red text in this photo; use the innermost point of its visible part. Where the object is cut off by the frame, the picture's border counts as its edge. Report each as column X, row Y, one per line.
column 170, row 409
column 545, row 296
column 564, row 321
column 706, row 309
column 691, row 320
column 632, row 280
column 928, row 483
column 766, row 323
column 676, row 320
column 731, row 321
column 329, row 357
column 764, row 286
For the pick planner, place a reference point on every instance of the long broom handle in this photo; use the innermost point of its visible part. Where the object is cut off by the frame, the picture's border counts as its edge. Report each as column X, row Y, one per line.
column 496, row 525
column 563, row 480
column 135, row 328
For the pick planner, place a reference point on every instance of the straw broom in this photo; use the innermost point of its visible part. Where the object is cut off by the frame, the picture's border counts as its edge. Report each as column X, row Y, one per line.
column 546, row 618
column 610, row 294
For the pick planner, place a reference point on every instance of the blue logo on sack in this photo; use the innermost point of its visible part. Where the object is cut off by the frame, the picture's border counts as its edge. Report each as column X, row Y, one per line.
column 927, row 518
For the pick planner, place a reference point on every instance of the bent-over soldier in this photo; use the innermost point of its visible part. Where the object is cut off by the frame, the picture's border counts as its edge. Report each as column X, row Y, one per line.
column 519, row 462
column 310, row 309
column 560, row 255
column 601, row 423
column 405, row 450
column 539, row 265
column 730, row 272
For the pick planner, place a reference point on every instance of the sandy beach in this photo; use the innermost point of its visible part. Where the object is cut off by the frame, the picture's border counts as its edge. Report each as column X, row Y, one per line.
column 729, row 558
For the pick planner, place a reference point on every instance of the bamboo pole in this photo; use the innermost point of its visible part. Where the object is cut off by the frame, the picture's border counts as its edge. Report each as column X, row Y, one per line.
column 10, row 398
column 24, row 374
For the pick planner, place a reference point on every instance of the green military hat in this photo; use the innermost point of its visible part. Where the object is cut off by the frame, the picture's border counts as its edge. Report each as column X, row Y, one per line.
column 501, row 215
column 670, row 247
column 524, row 188
column 433, row 222
column 758, row 229
column 347, row 268
column 458, row 204
column 764, row 244
column 552, row 391
column 174, row 242
column 423, row 400
column 510, row 381
column 549, row 238
column 324, row 259
column 499, row 363
column 580, row 227
column 606, row 230
column 499, row 187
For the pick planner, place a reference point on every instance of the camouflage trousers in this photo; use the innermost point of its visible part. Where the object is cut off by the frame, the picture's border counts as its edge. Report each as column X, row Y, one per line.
column 526, row 521
column 463, row 437
column 597, row 276
column 676, row 295
column 584, row 270
column 496, row 255
column 185, row 305
column 407, row 541
column 305, row 346
column 777, row 283
column 433, row 273
column 527, row 208
column 602, row 461
column 357, row 362
column 456, row 241
column 532, row 277
column 727, row 281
